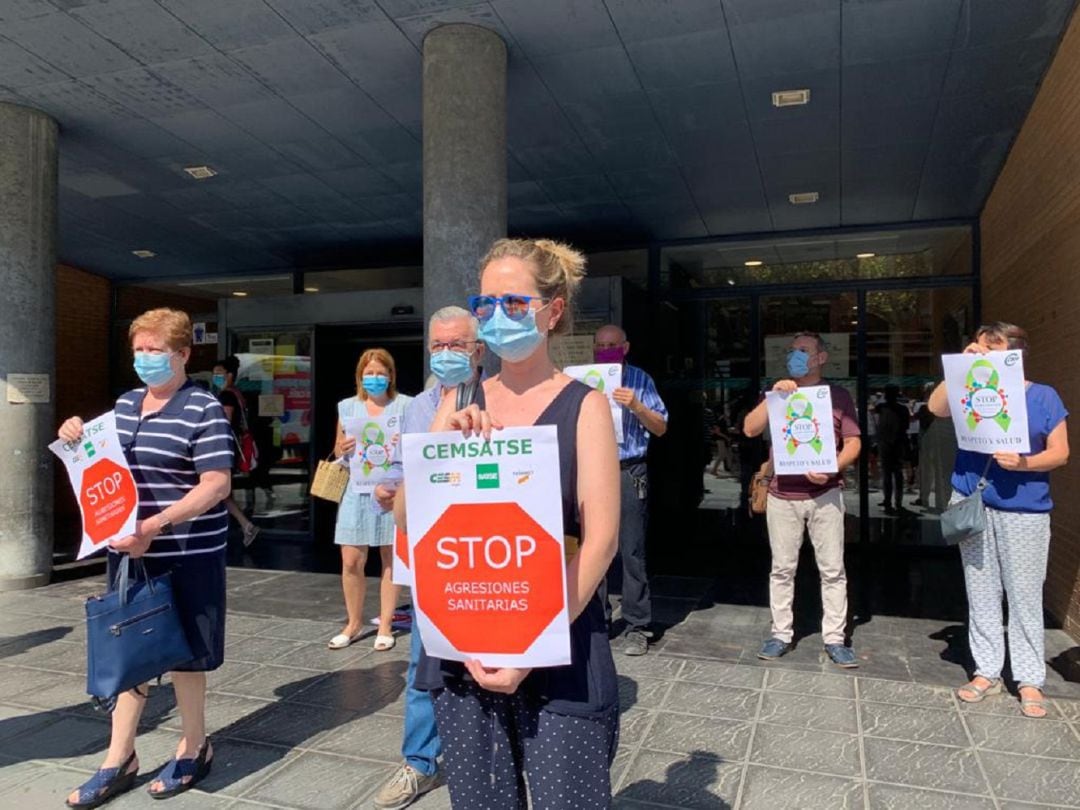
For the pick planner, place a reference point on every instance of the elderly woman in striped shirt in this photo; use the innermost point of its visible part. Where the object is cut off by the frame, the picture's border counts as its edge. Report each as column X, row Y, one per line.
column 180, row 449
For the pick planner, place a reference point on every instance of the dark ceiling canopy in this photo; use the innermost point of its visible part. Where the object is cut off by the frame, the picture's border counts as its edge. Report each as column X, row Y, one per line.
column 628, row 120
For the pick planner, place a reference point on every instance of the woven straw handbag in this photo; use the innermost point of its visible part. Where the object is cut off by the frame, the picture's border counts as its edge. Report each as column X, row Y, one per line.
column 331, row 479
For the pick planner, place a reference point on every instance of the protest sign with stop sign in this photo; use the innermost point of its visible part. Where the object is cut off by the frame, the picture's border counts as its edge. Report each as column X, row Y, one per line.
column 486, row 546
column 102, row 481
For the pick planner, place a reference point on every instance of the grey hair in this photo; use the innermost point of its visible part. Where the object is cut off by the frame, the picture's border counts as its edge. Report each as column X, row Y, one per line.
column 452, row 313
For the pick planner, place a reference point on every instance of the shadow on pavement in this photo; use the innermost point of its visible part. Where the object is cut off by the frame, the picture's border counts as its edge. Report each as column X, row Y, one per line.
column 685, row 784
column 16, row 645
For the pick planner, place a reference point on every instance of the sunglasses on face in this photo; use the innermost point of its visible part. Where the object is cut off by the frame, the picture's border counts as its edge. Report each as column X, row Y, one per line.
column 515, row 307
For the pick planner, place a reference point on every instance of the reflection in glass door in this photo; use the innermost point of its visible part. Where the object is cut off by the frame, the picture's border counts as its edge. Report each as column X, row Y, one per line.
column 275, row 377
column 728, row 392
column 909, row 453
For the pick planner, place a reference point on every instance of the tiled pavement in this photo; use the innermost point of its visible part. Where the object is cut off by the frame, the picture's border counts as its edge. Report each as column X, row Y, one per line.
column 705, row 724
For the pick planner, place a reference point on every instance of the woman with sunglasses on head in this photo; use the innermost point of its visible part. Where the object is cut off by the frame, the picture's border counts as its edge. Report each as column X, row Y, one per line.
column 556, row 726
column 359, row 526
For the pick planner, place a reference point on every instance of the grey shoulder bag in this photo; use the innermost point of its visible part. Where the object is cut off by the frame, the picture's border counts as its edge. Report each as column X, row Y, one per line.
column 966, row 518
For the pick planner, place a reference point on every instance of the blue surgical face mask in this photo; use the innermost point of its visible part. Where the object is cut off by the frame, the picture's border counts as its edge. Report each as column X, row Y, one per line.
column 154, row 369
column 451, row 368
column 798, row 363
column 218, row 381
column 375, row 384
column 512, row 341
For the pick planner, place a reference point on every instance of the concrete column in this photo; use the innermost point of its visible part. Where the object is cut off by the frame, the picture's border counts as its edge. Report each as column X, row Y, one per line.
column 27, row 342
column 464, row 158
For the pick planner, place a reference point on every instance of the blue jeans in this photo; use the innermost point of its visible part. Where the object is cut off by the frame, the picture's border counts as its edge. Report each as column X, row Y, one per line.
column 420, row 744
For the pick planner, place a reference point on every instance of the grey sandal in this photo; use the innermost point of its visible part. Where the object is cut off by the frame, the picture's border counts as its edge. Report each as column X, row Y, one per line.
column 1038, row 703
column 979, row 692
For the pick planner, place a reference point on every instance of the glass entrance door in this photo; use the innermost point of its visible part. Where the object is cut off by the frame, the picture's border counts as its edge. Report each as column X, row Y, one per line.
column 275, row 377
column 910, row 453
column 884, row 348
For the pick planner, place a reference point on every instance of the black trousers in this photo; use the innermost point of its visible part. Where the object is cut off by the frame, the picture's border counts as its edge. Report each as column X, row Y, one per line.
column 892, row 474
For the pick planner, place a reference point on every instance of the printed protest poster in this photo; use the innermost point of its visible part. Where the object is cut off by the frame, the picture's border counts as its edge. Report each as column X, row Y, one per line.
column 376, row 437
column 801, row 429
column 987, row 401
column 486, row 539
column 605, row 378
column 402, row 571
column 102, row 482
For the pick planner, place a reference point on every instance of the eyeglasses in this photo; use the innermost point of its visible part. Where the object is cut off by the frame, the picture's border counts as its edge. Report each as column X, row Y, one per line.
column 515, row 307
column 461, row 346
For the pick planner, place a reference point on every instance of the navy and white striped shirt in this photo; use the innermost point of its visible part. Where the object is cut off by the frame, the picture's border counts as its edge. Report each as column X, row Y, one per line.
column 635, row 443
column 167, row 451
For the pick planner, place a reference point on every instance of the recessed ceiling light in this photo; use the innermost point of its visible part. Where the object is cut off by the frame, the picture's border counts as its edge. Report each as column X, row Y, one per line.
column 144, row 254
column 865, row 255
column 803, row 198
column 754, row 263
column 731, row 281
column 200, row 172
column 240, row 293
column 791, row 98
column 311, row 289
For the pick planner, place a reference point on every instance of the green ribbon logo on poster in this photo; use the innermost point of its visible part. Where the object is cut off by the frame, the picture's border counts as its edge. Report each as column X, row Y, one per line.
column 983, row 399
column 801, row 427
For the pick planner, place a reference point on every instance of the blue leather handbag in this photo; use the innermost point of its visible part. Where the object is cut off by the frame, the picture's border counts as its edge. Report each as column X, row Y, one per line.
column 133, row 634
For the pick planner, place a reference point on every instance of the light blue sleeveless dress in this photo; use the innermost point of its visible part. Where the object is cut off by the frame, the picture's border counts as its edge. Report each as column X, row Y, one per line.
column 358, row 522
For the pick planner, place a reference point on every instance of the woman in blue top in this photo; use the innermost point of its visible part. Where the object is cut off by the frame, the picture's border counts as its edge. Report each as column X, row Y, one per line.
column 1010, row 555
column 558, row 726
column 359, row 524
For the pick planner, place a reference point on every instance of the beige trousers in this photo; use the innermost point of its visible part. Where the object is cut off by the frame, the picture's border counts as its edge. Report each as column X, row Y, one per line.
column 823, row 516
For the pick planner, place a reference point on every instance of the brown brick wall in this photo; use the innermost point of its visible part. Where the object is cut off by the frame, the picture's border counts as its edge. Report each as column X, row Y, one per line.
column 82, row 373
column 1030, row 256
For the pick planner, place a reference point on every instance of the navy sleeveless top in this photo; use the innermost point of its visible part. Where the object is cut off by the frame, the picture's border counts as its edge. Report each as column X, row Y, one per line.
column 588, row 685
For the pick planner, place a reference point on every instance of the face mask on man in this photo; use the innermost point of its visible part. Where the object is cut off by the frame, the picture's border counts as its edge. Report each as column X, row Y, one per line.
column 513, row 341
column 609, row 354
column 154, row 369
column 451, row 368
column 798, row 363
column 375, row 384
column 218, row 381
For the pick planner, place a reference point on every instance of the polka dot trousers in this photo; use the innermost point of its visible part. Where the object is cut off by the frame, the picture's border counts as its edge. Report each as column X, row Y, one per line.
column 500, row 751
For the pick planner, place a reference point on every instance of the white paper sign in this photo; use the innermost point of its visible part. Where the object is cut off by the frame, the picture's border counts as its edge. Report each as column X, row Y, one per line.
column 487, row 546
column 605, row 378
column 801, row 429
column 376, row 438
column 401, row 574
column 988, row 401
column 102, row 482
